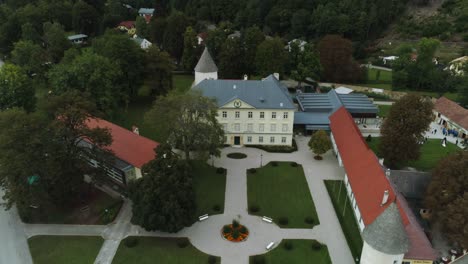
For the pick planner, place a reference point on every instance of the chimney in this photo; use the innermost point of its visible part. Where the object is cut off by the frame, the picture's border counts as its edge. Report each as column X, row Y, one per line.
column 234, row 87
column 384, row 198
column 276, row 75
column 135, row 130
column 246, row 77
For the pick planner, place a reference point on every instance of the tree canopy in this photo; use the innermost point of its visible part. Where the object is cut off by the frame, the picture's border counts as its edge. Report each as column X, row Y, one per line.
column 447, row 196
column 271, row 57
column 188, row 121
column 320, row 143
column 404, row 129
column 16, row 89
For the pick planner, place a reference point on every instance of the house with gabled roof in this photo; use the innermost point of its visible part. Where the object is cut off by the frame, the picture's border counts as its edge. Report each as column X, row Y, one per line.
column 452, row 116
column 146, row 13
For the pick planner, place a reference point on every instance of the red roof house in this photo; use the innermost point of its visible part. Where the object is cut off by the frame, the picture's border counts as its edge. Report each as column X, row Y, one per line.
column 127, row 25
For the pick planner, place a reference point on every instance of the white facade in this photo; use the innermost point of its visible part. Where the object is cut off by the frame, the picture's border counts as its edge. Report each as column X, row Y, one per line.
column 371, row 256
column 200, row 76
column 145, row 44
column 246, row 125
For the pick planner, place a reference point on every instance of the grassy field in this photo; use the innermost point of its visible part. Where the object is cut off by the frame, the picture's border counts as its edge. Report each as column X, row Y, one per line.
column 182, row 83
column 347, row 220
column 64, row 249
column 383, row 82
column 209, row 188
column 151, row 250
column 300, row 253
column 384, row 110
column 431, row 152
column 282, row 191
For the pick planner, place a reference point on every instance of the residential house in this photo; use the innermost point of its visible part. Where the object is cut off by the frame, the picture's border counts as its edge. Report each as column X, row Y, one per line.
column 142, row 42
column 146, row 13
column 452, row 116
column 78, row 39
column 300, row 43
column 457, row 65
column 127, row 26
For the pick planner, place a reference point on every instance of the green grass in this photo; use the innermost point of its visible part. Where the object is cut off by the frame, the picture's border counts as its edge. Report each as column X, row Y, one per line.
column 301, row 253
column 347, row 220
column 384, row 110
column 281, row 191
column 209, row 188
column 151, row 250
column 431, row 152
column 384, row 81
column 182, row 83
column 64, row 249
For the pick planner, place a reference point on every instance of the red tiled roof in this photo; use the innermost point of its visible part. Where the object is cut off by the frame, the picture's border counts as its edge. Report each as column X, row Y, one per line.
column 127, row 24
column 452, row 110
column 420, row 247
column 366, row 176
column 126, row 145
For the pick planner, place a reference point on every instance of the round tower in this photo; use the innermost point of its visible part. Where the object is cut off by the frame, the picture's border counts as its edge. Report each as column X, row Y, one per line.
column 385, row 239
column 206, row 68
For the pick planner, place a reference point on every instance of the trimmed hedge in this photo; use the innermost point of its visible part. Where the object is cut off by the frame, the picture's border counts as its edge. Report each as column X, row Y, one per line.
column 276, row 149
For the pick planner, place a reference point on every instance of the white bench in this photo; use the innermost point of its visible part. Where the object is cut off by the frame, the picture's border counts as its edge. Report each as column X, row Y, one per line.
column 267, row 219
column 203, row 217
column 270, row 245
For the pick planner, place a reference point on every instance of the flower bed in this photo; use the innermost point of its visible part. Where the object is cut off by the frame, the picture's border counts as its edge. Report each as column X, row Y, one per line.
column 235, row 232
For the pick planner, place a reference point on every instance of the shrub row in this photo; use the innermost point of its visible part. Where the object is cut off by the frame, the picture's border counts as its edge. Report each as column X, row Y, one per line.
column 276, row 149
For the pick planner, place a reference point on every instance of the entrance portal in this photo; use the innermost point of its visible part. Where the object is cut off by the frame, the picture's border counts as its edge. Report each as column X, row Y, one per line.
column 237, row 141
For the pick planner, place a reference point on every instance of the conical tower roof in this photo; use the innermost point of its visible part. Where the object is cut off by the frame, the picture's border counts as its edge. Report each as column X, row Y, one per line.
column 206, row 63
column 387, row 233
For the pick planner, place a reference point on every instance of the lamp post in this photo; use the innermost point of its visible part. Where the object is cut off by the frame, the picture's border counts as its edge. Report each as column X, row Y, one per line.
column 261, row 159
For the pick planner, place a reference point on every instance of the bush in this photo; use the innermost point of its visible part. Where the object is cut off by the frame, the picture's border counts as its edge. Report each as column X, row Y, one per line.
column 243, row 229
column 288, row 245
column 131, row 242
column 235, row 224
column 274, row 163
column 254, row 209
column 369, row 138
column 316, row 245
column 227, row 229
column 259, row 260
column 293, row 164
column 252, row 170
column 283, row 221
column 276, row 149
column 182, row 243
column 216, row 208
column 235, row 234
column 236, row 155
column 220, row 170
column 212, row 260
column 309, row 220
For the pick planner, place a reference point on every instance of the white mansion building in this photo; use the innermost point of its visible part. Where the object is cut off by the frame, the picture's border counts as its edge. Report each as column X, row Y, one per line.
column 252, row 112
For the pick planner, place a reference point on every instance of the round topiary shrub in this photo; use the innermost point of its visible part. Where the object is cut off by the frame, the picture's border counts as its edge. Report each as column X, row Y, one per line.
column 254, row 209
column 216, row 208
column 288, row 245
column 274, row 163
column 227, row 229
column 283, row 221
column 211, row 260
column 235, row 234
column 259, row 260
column 293, row 164
column 220, row 170
column 369, row 138
column 235, row 224
column 309, row 220
column 182, row 243
column 243, row 229
column 316, row 245
column 131, row 242
column 252, row 170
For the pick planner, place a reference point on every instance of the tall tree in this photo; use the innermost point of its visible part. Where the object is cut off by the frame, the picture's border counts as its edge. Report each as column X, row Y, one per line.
column 231, row 59
column 163, row 199
column 320, row 143
column 16, row 89
column 55, row 41
column 271, row 57
column 142, row 29
column 29, row 56
column 157, row 27
column 447, row 196
column 191, row 49
column 251, row 38
column 306, row 66
column 93, row 74
column 85, row 18
column 337, row 60
column 30, row 33
column 173, row 40
column 158, row 70
column 404, row 128
column 188, row 121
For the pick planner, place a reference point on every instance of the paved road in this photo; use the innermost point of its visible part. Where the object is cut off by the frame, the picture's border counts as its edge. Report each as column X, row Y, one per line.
column 14, row 248
column 376, row 67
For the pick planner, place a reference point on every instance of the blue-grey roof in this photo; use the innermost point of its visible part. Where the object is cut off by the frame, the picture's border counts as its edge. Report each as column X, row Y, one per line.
column 78, row 36
column 146, row 11
column 307, row 118
column 268, row 93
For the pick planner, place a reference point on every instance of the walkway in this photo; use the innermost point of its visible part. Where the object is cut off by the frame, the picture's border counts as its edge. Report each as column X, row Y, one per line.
column 205, row 235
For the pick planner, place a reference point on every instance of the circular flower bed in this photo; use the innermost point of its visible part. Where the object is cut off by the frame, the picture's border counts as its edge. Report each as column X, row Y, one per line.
column 236, row 155
column 235, row 232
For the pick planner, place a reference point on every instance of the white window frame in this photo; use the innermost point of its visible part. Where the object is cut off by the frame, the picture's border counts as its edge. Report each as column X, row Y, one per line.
column 272, row 139
column 237, row 114
column 273, row 127
column 261, row 127
column 224, row 114
column 262, row 115
column 284, row 128
column 250, row 114
column 283, row 139
column 237, row 126
column 273, row 115
column 260, row 139
column 249, row 139
column 250, row 127
column 285, row 115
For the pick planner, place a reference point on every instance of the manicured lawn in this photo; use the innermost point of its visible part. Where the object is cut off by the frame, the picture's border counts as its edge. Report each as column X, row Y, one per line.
column 279, row 192
column 383, row 82
column 151, row 250
column 64, row 249
column 182, row 83
column 345, row 216
column 209, row 188
column 300, row 253
column 431, row 152
column 384, row 110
